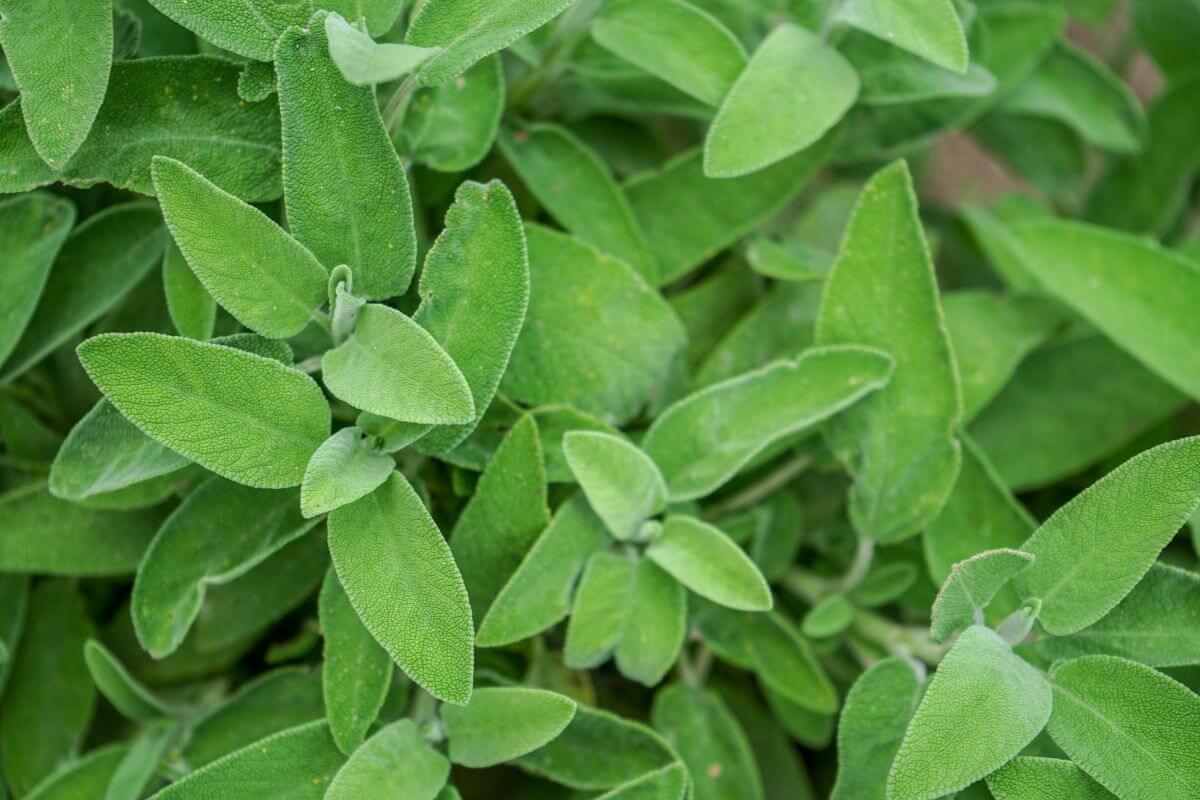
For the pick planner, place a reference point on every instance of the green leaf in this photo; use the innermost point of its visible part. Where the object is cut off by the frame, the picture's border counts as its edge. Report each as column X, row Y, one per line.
column 898, row 443
column 558, row 360
column 295, row 764
column 44, row 720
column 362, row 62
column 538, row 593
column 401, row 578
column 474, row 294
column 356, row 671
column 872, row 724
column 396, row 763
column 378, row 15
column 697, row 723
column 266, row 279
column 192, row 309
column 669, row 783
column 554, row 423
column 342, row 470
column 246, row 27
column 245, row 417
column 599, row 611
column 392, row 367
column 828, row 617
column 152, row 108
column 257, row 81
column 48, row 536
column 577, row 189
column 621, row 483
column 1093, row 550
column 702, row 441
column 705, row 560
column 109, row 253
column 120, row 688
column 1138, row 294
column 891, row 76
column 60, row 97
column 146, row 752
column 219, row 533
column 1132, row 729
column 344, row 187
column 84, row 778
column 32, row 231
column 981, row 680
column 970, row 587
column 469, row 31
column 1029, row 778
column 683, row 45
column 655, row 625
column 794, row 90
column 502, row 724
column 780, row 767
column 929, row 28
column 451, row 127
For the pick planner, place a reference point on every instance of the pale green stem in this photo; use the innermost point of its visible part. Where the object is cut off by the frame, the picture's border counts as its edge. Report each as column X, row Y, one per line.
column 765, row 487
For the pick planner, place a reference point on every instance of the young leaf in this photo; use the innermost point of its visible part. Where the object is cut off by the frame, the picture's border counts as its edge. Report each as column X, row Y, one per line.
column 699, row 725
column 356, row 671
column 655, row 625
column 245, row 417
column 704, row 439
column 396, row 762
column 400, row 577
column 794, row 90
column 141, row 763
column 33, row 228
column 60, row 55
column 829, row 617
column 673, row 40
column 970, row 588
column 266, row 279
column 898, row 443
column 344, row 187
column 246, row 27
column 600, row 610
column 377, row 15
column 85, row 777
column 120, row 688
column 109, row 253
column 706, row 561
column 1132, row 729
column 362, row 62
column 622, row 484
column 220, row 532
column 874, row 718
column 342, row 470
column 576, row 187
column 502, row 724
column 451, row 128
column 1093, row 550
column 931, row 30
column 982, row 680
column 193, row 310
column 392, row 367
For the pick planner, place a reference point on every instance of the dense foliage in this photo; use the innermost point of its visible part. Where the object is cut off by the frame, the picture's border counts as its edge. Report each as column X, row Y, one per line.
column 435, row 399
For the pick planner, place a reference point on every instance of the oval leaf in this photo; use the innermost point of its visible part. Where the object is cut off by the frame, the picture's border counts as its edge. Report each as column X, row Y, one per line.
column 501, row 724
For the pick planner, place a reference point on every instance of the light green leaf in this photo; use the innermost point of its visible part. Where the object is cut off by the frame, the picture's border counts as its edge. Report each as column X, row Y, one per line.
column 538, row 593
column 451, row 127
column 555, row 421
column 891, row 76
column 1132, row 729
column 828, row 617
column 152, row 108
column 697, row 723
column 296, row 764
column 396, row 763
column 706, row 561
column 342, row 470
column 468, row 31
column 669, row 783
column 109, row 253
column 219, row 533
column 392, row 367
column 243, row 416
column 1028, row 778
column 378, row 15
column 502, row 724
column 577, row 189
column 673, row 40
column 345, row 190
column 874, row 718
column 970, row 587
column 559, row 360
column 621, row 483
column 655, row 625
column 362, row 62
column 356, row 671
column 400, row 577
column 794, row 90
column 32, row 231
column 60, row 55
column 146, row 752
column 898, row 443
column 246, row 27
column 44, row 535
column 192, row 309
column 266, row 279
column 928, row 28
column 82, row 779
column 599, row 611
column 703, row 440
column 1093, row 550
column 980, row 679
column 120, row 688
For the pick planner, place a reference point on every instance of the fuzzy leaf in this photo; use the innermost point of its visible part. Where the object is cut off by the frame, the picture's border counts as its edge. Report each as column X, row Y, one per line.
column 697, row 723
column 120, row 688
column 501, row 724
column 378, row 15
column 874, row 718
column 362, row 62
column 1028, row 778
column 246, row 27
column 193, row 310
column 451, row 127
column 931, row 29
column 970, row 587
column 396, row 763
column 599, row 611
column 655, row 625
column 342, row 470
column 621, row 483
column 706, row 561
column 32, row 231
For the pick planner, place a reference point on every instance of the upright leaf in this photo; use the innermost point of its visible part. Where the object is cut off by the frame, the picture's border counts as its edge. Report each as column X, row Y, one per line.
column 711, row 742
column 932, row 30
column 396, row 762
column 622, row 484
column 193, row 310
column 451, row 127
column 32, row 231
column 654, row 627
column 246, row 27
column 970, row 587
column 500, row 724
column 874, row 718
column 705, row 560
column 362, row 62
column 599, row 611
column 342, row 470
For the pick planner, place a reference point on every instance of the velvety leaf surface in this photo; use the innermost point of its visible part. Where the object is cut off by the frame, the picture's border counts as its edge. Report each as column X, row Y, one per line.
column 872, row 725
column 599, row 611
column 1029, row 778
column 362, row 62
column 654, row 627
column 396, row 762
column 342, row 470
column 193, row 310
column 712, row 744
column 33, row 228
column 705, row 560
column 84, row 778
column 500, row 724
column 246, row 27
column 451, row 127
column 377, row 15
column 970, row 587
column 622, row 484
column 120, row 688
column 932, row 30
